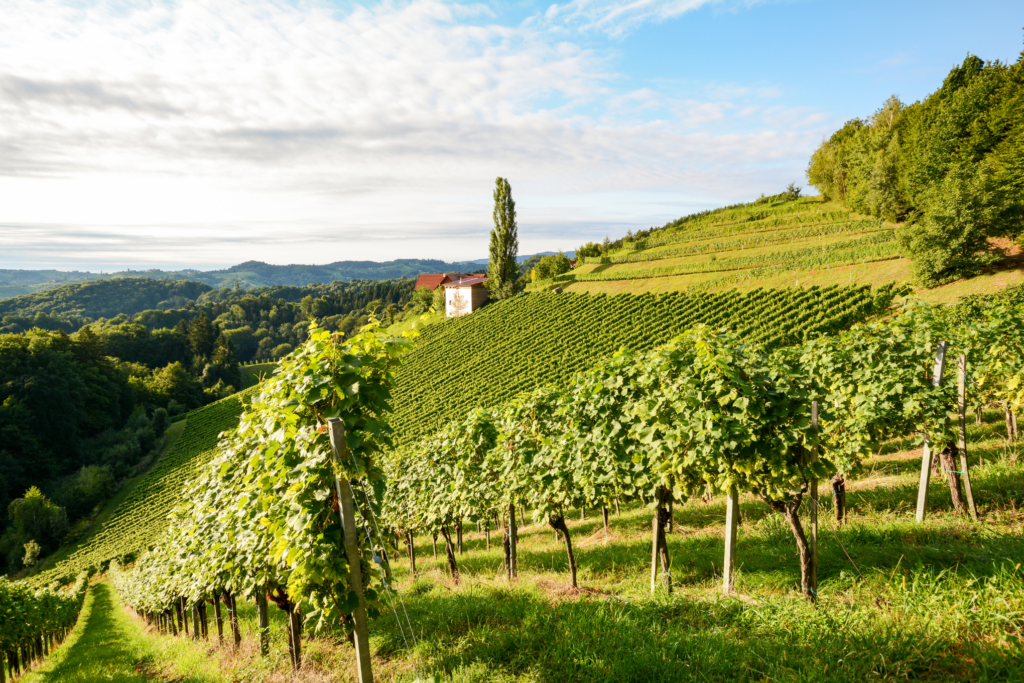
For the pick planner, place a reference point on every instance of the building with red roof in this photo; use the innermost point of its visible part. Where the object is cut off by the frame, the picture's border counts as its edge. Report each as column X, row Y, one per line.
column 464, row 295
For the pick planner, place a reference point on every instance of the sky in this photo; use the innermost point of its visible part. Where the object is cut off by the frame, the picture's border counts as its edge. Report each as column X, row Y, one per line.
column 201, row 135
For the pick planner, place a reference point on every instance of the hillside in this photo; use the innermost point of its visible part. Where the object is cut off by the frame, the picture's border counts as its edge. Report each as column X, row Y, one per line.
column 142, row 515
column 773, row 242
column 533, row 339
column 104, row 299
column 248, row 275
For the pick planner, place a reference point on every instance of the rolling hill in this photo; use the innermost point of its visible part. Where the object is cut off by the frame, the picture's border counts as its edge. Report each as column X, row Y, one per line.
column 773, row 242
column 248, row 275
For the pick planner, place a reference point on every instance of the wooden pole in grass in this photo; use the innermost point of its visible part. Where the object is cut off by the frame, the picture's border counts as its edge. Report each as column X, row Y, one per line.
column 346, row 509
column 926, row 458
column 513, row 533
column 218, row 617
column 236, row 632
column 814, row 504
column 732, row 513
column 263, row 620
column 961, row 391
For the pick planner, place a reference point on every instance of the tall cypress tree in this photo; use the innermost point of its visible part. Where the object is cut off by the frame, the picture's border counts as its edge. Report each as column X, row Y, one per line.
column 503, row 270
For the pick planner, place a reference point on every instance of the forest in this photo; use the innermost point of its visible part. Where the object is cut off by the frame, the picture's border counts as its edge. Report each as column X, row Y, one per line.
column 106, row 391
column 951, row 167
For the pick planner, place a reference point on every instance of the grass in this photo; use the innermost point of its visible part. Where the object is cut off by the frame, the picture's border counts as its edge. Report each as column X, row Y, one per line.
column 786, row 217
column 254, row 374
column 940, row 601
column 109, row 645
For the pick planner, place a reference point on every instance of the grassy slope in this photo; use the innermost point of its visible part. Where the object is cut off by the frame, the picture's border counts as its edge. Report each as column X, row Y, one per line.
column 109, row 645
column 141, row 513
column 174, row 431
column 942, row 601
column 254, row 374
column 872, row 273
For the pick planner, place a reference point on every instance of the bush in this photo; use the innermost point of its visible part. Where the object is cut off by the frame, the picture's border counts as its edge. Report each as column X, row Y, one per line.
column 160, row 421
column 550, row 266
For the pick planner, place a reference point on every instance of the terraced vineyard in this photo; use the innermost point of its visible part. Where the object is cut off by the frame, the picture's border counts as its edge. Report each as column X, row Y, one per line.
column 143, row 513
column 739, row 246
column 534, row 339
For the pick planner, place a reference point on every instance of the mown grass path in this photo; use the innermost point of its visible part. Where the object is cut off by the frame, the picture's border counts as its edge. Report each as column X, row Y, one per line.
column 99, row 648
column 108, row 644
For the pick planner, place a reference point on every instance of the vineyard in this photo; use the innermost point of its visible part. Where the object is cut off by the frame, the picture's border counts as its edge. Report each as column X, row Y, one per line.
column 736, row 245
column 705, row 416
column 517, row 345
column 34, row 622
column 142, row 516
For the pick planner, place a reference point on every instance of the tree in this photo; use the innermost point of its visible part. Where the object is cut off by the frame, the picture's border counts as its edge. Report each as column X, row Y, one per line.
column 503, row 269
column 33, row 518
column 421, row 301
column 174, row 383
column 951, row 241
column 550, row 266
column 32, row 551
column 202, row 336
column 438, row 301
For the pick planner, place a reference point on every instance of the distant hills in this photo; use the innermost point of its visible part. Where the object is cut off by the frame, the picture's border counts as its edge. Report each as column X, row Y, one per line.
column 103, row 299
column 248, row 275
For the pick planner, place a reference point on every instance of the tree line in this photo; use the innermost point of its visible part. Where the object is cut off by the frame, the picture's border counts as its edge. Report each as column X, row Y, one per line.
column 951, row 166
column 81, row 413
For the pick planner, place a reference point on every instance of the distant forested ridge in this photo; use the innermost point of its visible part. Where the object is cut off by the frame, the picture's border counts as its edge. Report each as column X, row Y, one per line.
column 104, row 299
column 248, row 275
column 84, row 402
column 951, row 166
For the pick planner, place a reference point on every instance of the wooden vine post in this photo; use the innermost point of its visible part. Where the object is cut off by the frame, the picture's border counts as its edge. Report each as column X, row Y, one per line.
column 961, row 438
column 218, row 617
column 513, row 532
column 236, row 632
column 263, row 620
column 346, row 509
column 196, row 628
column 926, row 458
column 814, row 505
column 732, row 514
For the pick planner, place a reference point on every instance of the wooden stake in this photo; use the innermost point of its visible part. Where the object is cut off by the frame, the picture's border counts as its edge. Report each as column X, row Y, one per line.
column 732, row 513
column 814, row 504
column 236, row 632
column 263, row 621
column 348, row 522
column 926, row 458
column 513, row 533
column 196, row 627
column 961, row 389
column 655, row 547
column 218, row 617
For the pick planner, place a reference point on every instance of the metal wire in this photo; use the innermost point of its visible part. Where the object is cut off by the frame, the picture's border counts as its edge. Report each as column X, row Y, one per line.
column 373, row 515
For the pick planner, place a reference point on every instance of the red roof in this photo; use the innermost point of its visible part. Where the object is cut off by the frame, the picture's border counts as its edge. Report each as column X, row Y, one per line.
column 433, row 280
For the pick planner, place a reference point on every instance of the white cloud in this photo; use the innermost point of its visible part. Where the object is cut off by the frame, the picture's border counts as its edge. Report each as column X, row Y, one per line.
column 617, row 18
column 197, row 134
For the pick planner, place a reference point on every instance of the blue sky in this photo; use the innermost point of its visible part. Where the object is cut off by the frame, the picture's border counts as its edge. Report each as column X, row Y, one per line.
column 187, row 135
